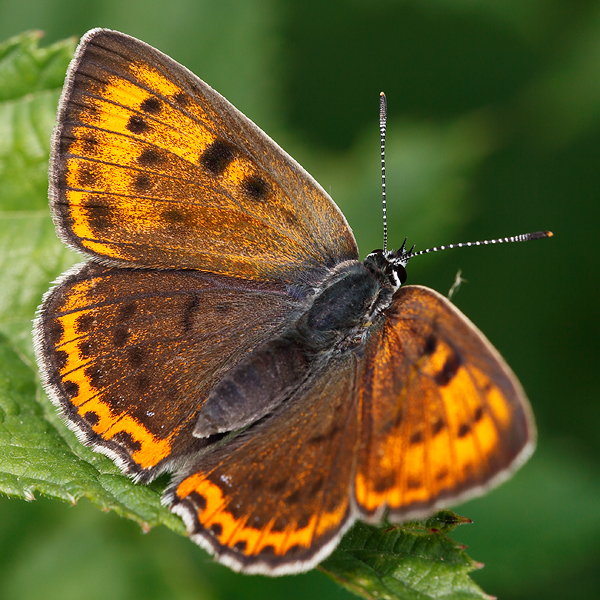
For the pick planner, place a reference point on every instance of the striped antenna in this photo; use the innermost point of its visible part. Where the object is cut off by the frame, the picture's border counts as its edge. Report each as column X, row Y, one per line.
column 525, row 237
column 382, row 124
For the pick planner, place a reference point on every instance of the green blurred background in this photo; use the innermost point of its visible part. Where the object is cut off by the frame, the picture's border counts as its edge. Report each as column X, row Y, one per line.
column 494, row 129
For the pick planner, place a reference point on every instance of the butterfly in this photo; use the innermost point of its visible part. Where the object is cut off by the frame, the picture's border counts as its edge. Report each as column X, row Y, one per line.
column 224, row 329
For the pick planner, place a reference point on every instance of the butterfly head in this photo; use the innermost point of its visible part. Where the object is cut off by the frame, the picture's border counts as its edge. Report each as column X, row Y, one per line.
column 390, row 265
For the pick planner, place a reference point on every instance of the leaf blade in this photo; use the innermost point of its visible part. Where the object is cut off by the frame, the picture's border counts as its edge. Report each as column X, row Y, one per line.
column 403, row 562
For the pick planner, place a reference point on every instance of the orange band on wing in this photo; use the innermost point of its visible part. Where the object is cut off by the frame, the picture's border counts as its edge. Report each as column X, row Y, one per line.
column 232, row 532
column 440, row 451
column 153, row 79
column 88, row 399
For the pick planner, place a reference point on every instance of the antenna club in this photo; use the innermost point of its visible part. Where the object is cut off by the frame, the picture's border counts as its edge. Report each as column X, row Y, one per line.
column 382, row 110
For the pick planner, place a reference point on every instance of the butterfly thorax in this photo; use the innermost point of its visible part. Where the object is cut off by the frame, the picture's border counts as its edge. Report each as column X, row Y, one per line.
column 347, row 303
column 343, row 303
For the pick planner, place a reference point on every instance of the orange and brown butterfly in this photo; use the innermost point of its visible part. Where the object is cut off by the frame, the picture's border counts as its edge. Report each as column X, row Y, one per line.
column 224, row 329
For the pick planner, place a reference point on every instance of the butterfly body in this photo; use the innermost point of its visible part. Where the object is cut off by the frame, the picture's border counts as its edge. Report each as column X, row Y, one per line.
column 224, row 328
column 336, row 319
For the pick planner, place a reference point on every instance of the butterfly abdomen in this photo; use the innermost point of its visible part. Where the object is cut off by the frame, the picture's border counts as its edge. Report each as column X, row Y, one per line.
column 254, row 387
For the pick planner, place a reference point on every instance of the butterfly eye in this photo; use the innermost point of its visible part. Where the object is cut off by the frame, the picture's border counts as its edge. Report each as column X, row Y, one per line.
column 396, row 273
column 400, row 272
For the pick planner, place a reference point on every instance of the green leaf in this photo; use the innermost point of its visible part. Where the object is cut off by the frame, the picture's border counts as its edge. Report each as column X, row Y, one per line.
column 39, row 454
column 30, row 84
column 415, row 560
column 27, row 69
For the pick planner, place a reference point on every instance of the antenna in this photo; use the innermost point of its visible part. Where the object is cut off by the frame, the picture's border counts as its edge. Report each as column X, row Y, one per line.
column 524, row 237
column 402, row 256
column 382, row 124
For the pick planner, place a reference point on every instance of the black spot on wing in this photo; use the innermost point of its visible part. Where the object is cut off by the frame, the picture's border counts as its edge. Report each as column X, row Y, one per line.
column 293, row 497
column 384, row 482
column 398, row 417
column 71, row 389
column 61, row 358
column 430, row 345
column 135, row 357
column 449, row 370
column 463, row 430
column 87, row 176
column 416, row 438
column 198, row 500
column 125, row 439
column 137, row 124
column 279, row 486
column 267, row 551
column 54, row 331
column 151, row 105
column 256, row 188
column 120, row 335
column 217, row 157
column 190, row 312
column 413, row 484
column 181, row 99
column 84, row 323
column 316, row 486
column 303, row 521
column 478, row 414
column 90, row 145
column 437, row 426
column 101, row 216
column 150, row 157
column 91, row 418
column 279, row 524
column 94, row 375
column 173, row 215
column 326, row 436
column 127, row 311
column 142, row 182
column 85, row 348
column 441, row 474
column 64, row 145
column 142, row 383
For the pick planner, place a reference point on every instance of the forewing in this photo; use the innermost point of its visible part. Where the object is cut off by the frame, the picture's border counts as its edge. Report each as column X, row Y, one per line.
column 276, row 499
column 152, row 167
column 444, row 418
column 129, row 356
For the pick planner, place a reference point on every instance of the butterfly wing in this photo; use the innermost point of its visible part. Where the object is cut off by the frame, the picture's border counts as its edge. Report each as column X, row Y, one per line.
column 151, row 167
column 130, row 355
column 276, row 499
column 443, row 417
